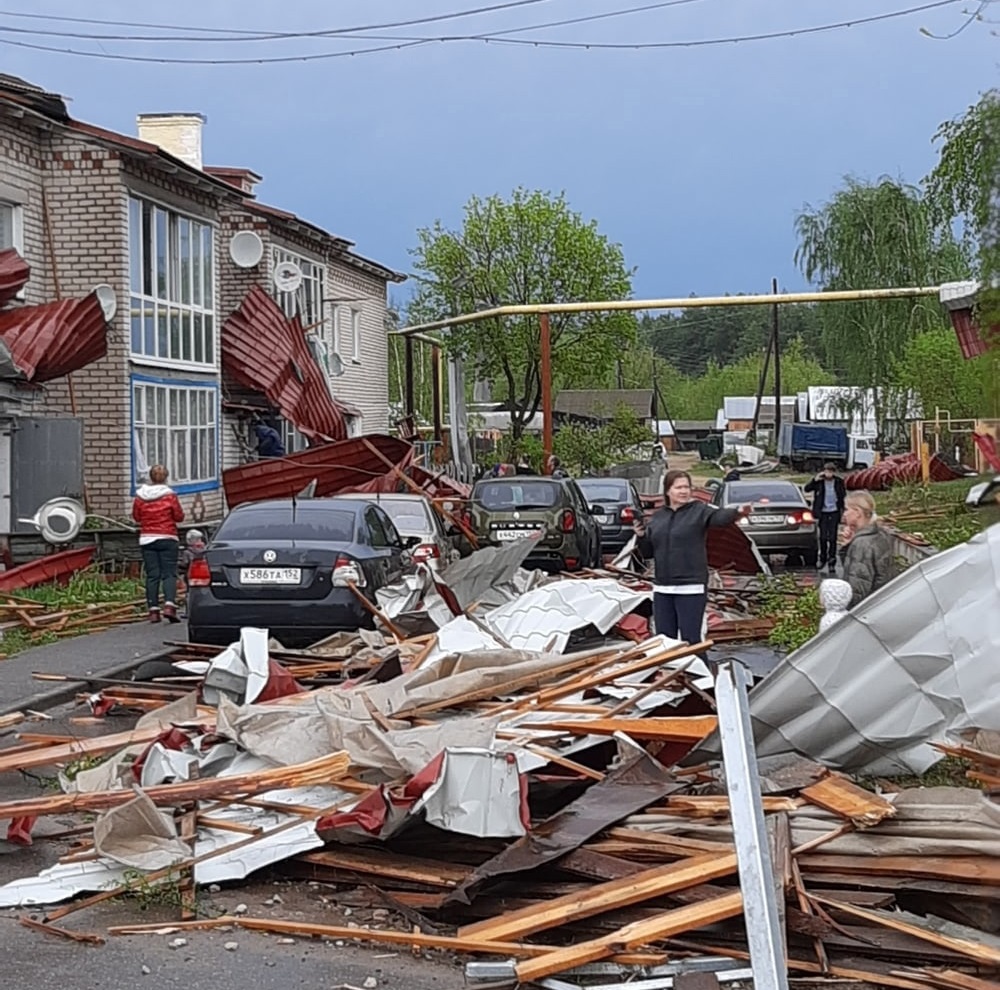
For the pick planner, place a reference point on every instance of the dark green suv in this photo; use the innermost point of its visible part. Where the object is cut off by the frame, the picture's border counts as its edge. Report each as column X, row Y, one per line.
column 553, row 510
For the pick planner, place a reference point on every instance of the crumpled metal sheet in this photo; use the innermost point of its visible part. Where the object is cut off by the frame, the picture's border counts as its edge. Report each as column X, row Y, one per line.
column 543, row 619
column 628, row 788
column 911, row 664
column 139, row 835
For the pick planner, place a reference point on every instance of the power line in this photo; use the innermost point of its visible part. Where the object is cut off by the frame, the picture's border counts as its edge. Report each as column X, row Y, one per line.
column 529, row 42
column 243, row 34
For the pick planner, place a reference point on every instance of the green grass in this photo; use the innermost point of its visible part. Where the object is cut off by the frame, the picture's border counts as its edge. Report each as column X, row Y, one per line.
column 949, row 772
column 89, row 587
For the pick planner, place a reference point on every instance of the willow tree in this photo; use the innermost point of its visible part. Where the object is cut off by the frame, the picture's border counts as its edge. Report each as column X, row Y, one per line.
column 531, row 248
column 872, row 236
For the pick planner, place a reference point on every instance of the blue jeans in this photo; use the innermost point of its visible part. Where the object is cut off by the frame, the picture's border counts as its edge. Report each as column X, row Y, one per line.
column 680, row 616
column 159, row 560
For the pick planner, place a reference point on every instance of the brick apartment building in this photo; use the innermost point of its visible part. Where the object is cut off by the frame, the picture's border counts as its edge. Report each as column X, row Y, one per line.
column 142, row 217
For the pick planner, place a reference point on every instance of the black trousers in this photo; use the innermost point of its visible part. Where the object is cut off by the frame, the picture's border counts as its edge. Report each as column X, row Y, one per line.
column 829, row 526
column 679, row 616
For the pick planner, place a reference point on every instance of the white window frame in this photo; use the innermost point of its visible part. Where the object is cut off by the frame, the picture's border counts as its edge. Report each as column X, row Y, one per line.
column 16, row 213
column 348, row 333
column 172, row 301
column 308, row 301
column 177, row 424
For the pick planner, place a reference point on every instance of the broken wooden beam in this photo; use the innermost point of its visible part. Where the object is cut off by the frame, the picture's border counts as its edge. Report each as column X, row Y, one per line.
column 837, row 794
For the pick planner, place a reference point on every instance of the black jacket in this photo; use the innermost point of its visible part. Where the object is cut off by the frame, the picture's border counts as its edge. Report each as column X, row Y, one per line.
column 815, row 487
column 675, row 539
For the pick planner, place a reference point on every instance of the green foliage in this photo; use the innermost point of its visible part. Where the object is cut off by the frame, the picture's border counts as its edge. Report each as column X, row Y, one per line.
column 89, row 587
column 933, row 366
column 701, row 397
column 583, row 449
column 868, row 236
column 796, row 611
column 531, row 248
column 936, row 512
column 76, row 767
column 166, row 892
column 16, row 641
column 964, row 186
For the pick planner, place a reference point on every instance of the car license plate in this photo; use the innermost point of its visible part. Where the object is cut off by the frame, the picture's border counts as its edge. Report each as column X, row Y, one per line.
column 767, row 520
column 506, row 535
column 270, row 575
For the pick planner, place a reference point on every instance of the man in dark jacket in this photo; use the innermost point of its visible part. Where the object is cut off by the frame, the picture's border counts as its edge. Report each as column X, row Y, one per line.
column 268, row 441
column 828, row 491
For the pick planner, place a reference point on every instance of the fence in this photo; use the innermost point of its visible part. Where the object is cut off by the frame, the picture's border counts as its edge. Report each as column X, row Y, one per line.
column 954, row 438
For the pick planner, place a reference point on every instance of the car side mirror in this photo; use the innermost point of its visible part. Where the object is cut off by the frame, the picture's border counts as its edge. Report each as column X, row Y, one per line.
column 713, row 484
column 595, row 510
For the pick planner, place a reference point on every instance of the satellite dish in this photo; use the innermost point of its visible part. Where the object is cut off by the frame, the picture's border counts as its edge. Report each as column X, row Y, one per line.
column 287, row 276
column 58, row 520
column 246, row 249
column 108, row 299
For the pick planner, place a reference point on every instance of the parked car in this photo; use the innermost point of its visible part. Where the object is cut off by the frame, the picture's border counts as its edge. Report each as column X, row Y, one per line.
column 510, row 508
column 780, row 521
column 423, row 530
column 287, row 565
column 617, row 505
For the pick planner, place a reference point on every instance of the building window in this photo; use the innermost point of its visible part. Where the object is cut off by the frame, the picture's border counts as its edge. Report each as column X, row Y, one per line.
column 172, row 279
column 307, row 301
column 175, row 425
column 348, row 344
column 10, row 226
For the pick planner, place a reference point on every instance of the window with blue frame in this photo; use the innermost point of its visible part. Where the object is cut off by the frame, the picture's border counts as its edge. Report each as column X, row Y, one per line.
column 176, row 425
column 172, row 283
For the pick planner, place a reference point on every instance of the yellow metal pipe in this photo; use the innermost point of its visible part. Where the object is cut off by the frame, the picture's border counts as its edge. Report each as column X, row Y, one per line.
column 693, row 302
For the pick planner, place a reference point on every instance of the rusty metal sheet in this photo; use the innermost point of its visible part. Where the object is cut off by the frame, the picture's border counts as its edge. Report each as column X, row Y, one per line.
column 266, row 351
column 14, row 273
column 54, row 339
column 629, row 788
column 347, row 465
column 899, row 469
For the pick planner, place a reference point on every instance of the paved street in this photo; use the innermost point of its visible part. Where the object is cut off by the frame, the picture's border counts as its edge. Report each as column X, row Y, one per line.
column 103, row 654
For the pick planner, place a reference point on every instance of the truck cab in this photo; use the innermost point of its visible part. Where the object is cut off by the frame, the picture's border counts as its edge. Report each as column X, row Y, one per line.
column 861, row 451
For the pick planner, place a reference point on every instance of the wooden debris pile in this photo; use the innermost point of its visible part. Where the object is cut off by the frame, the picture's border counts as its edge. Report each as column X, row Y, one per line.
column 42, row 622
column 629, row 857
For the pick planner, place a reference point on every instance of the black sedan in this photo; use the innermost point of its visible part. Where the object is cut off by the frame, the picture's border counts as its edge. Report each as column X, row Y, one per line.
column 781, row 520
column 288, row 565
column 616, row 505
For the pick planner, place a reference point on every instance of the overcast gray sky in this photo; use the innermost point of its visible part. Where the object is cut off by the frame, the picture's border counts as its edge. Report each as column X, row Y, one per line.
column 695, row 158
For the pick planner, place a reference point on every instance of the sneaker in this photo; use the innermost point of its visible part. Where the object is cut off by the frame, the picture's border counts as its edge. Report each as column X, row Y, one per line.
column 833, row 567
column 170, row 612
column 154, row 615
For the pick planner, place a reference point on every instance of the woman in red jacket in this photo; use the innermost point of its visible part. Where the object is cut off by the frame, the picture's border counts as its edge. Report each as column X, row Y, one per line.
column 157, row 511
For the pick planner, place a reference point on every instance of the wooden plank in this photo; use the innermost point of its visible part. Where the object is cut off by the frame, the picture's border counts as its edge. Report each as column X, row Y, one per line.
column 692, row 728
column 683, row 919
column 967, row 869
column 716, row 806
column 603, row 897
column 585, row 862
column 951, row 979
column 683, row 845
column 382, row 863
column 387, row 936
column 839, row 795
column 69, row 751
column 911, row 925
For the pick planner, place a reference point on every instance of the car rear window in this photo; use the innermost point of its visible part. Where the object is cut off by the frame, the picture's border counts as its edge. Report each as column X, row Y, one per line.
column 282, row 524
column 518, row 493
column 739, row 492
column 604, row 491
column 411, row 518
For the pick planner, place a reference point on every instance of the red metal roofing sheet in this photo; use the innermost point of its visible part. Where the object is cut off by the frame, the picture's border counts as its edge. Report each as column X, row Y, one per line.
column 265, row 350
column 14, row 272
column 51, row 340
column 347, row 465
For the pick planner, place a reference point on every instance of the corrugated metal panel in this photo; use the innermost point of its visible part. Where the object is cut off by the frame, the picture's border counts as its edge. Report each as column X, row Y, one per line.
column 54, row 339
column 14, row 273
column 265, row 350
column 346, row 465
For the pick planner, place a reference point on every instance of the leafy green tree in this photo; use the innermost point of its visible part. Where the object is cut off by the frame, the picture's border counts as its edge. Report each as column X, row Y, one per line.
column 583, row 449
column 867, row 236
column 964, row 186
column 933, row 366
column 531, row 248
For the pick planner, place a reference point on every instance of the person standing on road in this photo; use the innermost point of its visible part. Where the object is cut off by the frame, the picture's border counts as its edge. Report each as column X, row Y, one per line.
column 828, row 491
column 157, row 510
column 868, row 559
column 675, row 539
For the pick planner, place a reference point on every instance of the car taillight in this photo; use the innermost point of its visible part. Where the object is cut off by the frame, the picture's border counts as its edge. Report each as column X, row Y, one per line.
column 568, row 521
column 628, row 514
column 425, row 552
column 199, row 575
column 808, row 517
column 347, row 571
column 799, row 518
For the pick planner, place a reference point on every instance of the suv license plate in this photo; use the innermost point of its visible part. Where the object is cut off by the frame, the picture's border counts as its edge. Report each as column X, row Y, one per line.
column 508, row 535
column 270, row 575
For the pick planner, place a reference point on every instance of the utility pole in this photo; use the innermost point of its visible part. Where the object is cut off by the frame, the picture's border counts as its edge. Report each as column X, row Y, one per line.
column 409, row 405
column 546, row 375
column 777, row 363
column 760, row 386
